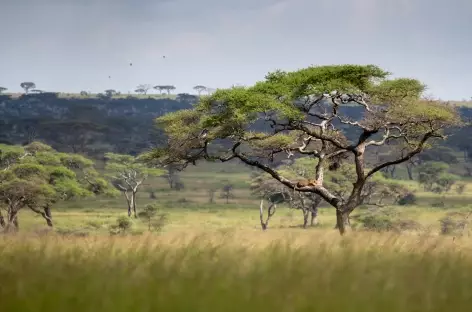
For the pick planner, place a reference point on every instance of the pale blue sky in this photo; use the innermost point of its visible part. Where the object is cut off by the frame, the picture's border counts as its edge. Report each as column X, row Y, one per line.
column 73, row 45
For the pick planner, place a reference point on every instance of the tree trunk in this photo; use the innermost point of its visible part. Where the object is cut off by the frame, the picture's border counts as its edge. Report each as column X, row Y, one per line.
column 342, row 221
column 409, row 169
column 2, row 220
column 134, row 204
column 270, row 213
column 314, row 211
column 306, row 214
column 12, row 224
column 129, row 201
column 314, row 217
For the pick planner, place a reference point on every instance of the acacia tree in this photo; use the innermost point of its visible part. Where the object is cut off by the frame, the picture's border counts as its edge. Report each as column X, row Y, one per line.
column 3, row 89
column 36, row 177
column 435, row 177
column 27, row 86
column 110, row 92
column 127, row 174
column 143, row 88
column 200, row 89
column 303, row 114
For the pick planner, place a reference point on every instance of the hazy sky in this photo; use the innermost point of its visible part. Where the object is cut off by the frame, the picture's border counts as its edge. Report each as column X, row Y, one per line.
column 74, row 45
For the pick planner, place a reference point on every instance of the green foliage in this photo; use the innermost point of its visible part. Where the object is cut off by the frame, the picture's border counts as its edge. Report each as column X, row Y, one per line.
column 408, row 199
column 434, row 177
column 122, row 226
column 154, row 220
column 37, row 176
column 128, row 172
column 384, row 219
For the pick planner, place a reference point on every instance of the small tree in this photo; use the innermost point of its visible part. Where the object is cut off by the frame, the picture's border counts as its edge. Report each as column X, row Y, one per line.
column 167, row 88
column 127, row 174
column 435, row 177
column 27, row 86
column 84, row 93
column 159, row 88
column 227, row 192
column 122, row 226
column 199, row 89
column 3, row 89
column 110, row 93
column 172, row 176
column 143, row 88
column 152, row 217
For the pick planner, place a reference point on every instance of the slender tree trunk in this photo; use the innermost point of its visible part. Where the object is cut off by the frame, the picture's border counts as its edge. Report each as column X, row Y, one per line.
column 342, row 221
column 409, row 169
column 314, row 217
column 134, row 204
column 129, row 201
column 314, row 211
column 270, row 213
column 2, row 220
column 47, row 214
column 306, row 214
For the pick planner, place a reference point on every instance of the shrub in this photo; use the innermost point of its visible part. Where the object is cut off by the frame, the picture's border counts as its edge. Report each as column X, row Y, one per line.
column 123, row 224
column 408, row 199
column 384, row 219
column 454, row 223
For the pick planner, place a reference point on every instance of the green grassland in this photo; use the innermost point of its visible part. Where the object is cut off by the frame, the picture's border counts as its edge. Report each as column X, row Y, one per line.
column 214, row 257
column 189, row 209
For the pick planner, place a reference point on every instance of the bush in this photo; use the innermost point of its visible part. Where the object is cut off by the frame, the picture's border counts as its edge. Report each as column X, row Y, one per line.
column 454, row 223
column 384, row 219
column 123, row 224
column 154, row 220
column 408, row 199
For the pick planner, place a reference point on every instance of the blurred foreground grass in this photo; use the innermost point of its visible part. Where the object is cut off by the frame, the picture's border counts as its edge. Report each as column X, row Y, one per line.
column 236, row 271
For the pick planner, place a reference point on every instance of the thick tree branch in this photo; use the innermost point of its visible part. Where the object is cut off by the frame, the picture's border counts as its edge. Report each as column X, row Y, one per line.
column 44, row 214
column 324, row 193
column 408, row 156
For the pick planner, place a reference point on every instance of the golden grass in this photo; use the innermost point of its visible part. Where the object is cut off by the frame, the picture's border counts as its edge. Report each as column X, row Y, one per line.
column 236, row 271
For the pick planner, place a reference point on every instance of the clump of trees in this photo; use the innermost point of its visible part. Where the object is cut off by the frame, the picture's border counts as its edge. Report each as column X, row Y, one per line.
column 303, row 114
column 36, row 177
column 166, row 88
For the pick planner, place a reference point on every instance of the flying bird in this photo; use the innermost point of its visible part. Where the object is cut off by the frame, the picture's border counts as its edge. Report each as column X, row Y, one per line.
column 130, row 64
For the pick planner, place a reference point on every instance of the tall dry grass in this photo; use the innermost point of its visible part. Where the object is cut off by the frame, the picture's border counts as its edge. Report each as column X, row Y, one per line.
column 236, row 271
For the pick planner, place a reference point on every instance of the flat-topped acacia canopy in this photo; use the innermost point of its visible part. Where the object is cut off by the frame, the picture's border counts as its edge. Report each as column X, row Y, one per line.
column 302, row 112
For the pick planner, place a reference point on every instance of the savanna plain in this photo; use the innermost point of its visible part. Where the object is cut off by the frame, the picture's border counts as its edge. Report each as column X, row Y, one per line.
column 214, row 256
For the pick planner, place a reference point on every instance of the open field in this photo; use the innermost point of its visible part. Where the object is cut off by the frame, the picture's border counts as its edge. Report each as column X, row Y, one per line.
column 237, row 271
column 189, row 209
column 214, row 257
